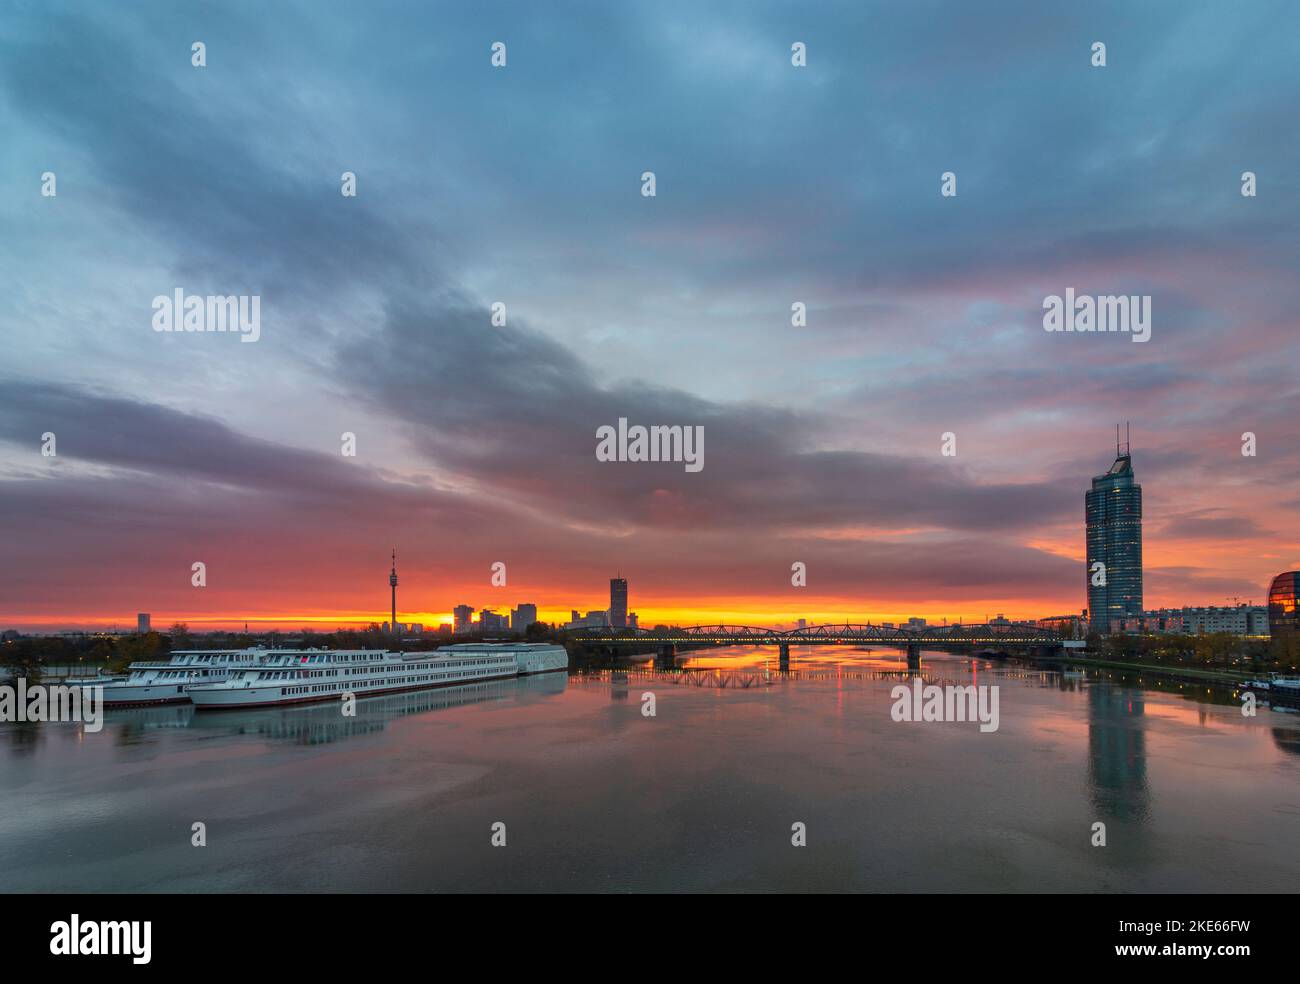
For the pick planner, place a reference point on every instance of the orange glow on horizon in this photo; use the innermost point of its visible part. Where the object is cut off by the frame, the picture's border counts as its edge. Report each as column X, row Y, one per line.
column 648, row 616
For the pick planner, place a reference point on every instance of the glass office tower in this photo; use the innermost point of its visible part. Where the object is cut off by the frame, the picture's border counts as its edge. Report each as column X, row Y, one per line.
column 1113, row 510
column 618, row 602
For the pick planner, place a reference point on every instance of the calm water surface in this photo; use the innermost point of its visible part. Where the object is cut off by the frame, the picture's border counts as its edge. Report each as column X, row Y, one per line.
column 701, row 797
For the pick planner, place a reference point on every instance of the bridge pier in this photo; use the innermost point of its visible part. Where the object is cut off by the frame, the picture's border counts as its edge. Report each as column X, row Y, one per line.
column 913, row 655
column 666, row 656
column 783, row 663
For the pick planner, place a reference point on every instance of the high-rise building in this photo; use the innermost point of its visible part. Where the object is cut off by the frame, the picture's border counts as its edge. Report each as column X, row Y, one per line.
column 618, row 602
column 142, row 623
column 1284, row 606
column 464, row 617
column 490, row 621
column 522, row 617
column 1113, row 511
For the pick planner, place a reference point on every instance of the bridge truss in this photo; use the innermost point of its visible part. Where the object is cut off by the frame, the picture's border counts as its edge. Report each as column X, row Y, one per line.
column 848, row 633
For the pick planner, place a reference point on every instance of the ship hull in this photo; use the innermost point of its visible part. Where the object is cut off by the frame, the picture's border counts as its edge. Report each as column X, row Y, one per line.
column 216, row 700
column 142, row 696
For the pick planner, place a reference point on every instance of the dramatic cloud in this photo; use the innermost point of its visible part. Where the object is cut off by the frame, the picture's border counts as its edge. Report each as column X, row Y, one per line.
column 521, row 186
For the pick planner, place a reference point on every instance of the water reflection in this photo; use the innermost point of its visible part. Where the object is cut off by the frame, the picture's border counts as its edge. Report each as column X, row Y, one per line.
column 1117, row 760
column 1287, row 739
column 305, row 724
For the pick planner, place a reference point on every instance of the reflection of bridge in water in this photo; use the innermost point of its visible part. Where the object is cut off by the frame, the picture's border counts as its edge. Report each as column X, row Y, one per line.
column 324, row 722
column 722, row 678
column 974, row 639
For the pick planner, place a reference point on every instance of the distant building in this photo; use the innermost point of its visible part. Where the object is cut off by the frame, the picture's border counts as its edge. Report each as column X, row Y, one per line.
column 1075, row 625
column 142, row 623
column 522, row 617
column 463, row 616
column 916, row 623
column 1113, row 513
column 1242, row 620
column 490, row 621
column 1283, row 613
column 631, row 620
column 618, row 602
column 801, row 624
column 592, row 620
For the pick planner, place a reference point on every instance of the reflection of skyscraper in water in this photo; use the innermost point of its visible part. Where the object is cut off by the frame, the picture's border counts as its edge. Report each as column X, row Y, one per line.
column 1117, row 759
column 1287, row 739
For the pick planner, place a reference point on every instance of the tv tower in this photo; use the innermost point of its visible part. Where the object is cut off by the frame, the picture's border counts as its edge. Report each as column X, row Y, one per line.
column 392, row 583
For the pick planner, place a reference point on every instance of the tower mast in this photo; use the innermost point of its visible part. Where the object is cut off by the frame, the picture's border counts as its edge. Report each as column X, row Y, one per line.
column 392, row 583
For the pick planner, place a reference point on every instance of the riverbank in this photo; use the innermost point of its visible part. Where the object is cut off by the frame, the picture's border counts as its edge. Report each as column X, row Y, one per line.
column 1226, row 678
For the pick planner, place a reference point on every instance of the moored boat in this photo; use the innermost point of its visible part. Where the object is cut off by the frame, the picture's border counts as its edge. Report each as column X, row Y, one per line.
column 165, row 681
column 299, row 676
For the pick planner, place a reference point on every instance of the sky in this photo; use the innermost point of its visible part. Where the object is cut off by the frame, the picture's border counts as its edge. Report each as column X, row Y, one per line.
column 522, row 185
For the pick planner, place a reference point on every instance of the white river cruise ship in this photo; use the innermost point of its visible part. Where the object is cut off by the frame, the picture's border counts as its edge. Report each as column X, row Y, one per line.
column 166, row 682
column 297, row 676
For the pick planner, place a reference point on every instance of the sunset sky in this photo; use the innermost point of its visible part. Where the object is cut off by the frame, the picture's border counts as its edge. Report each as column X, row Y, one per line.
column 775, row 184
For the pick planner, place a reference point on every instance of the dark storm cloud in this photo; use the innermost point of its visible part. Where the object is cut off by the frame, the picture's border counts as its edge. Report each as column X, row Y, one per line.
column 519, row 414
column 231, row 180
column 1211, row 527
column 114, row 431
column 769, row 179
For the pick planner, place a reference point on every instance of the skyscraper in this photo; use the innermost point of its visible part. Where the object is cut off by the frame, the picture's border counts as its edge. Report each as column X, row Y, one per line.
column 522, row 617
column 1113, row 510
column 618, row 602
column 142, row 622
column 464, row 618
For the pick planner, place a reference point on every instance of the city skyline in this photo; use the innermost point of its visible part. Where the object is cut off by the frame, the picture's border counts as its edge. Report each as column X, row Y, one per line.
column 1125, row 575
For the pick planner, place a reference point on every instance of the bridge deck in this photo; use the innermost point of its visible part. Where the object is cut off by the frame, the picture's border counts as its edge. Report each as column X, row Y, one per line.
column 964, row 635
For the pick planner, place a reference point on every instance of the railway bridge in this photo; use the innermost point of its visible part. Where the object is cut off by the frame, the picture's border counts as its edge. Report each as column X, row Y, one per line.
column 969, row 638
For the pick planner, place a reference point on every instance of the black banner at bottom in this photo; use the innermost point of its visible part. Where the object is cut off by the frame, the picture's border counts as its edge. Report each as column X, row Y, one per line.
column 335, row 933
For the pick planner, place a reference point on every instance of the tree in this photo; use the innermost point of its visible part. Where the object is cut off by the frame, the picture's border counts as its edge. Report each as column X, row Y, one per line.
column 19, row 659
column 180, row 635
column 150, row 647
